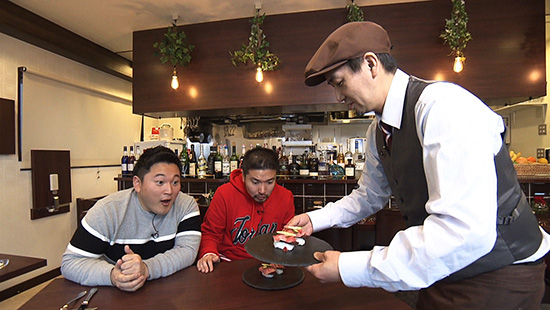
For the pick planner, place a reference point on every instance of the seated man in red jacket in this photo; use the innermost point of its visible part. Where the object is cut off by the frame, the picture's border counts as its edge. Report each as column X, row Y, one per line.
column 251, row 204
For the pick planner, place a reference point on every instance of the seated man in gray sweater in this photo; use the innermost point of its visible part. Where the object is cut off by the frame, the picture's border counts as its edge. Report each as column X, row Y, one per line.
column 149, row 231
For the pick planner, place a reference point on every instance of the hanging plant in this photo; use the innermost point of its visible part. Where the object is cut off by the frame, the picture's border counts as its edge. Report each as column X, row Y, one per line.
column 257, row 50
column 355, row 14
column 174, row 47
column 456, row 32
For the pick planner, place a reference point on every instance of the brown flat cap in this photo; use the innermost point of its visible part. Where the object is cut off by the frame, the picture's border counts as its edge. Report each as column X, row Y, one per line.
column 349, row 41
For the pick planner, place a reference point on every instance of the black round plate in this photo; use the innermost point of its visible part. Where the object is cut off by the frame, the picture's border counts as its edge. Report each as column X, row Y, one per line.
column 261, row 247
column 291, row 277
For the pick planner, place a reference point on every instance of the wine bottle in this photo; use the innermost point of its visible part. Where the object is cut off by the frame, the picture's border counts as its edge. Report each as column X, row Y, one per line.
column 293, row 168
column 211, row 159
column 313, row 163
column 202, row 165
column 124, row 161
column 226, row 163
column 233, row 160
column 218, row 163
column 184, row 159
column 243, row 151
column 192, row 162
column 283, row 165
column 304, row 167
column 131, row 161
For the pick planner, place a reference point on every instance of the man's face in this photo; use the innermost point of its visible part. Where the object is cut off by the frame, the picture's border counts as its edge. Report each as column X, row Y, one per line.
column 356, row 89
column 159, row 188
column 260, row 183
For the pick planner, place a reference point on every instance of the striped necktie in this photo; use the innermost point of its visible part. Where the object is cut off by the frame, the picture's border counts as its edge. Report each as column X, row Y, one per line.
column 387, row 131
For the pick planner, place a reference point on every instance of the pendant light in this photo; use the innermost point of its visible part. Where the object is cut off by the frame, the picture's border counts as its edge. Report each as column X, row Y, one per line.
column 175, row 83
column 459, row 63
column 259, row 74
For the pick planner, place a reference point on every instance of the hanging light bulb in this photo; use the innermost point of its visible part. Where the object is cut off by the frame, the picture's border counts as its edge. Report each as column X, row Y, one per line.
column 459, row 63
column 259, row 74
column 175, row 83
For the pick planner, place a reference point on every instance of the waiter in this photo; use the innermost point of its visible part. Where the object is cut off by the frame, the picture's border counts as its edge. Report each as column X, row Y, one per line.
column 472, row 241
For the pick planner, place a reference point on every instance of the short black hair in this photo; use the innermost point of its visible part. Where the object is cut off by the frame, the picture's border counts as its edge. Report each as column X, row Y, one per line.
column 151, row 156
column 260, row 159
column 388, row 63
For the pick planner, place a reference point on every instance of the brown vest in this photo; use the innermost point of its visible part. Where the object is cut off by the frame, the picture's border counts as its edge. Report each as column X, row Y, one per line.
column 518, row 234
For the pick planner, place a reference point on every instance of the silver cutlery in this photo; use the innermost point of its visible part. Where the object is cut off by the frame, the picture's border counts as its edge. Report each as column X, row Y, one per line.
column 65, row 306
column 84, row 304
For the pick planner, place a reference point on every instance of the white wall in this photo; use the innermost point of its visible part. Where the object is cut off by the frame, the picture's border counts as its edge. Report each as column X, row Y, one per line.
column 58, row 118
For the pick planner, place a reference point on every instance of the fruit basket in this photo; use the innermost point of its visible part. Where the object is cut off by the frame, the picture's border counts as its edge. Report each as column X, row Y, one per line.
column 532, row 169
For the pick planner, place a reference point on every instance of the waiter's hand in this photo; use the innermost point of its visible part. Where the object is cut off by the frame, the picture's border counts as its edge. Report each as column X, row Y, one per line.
column 327, row 270
column 130, row 272
column 302, row 220
column 206, row 263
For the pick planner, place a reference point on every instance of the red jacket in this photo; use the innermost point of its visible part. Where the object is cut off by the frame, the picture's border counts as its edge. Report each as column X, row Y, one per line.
column 234, row 217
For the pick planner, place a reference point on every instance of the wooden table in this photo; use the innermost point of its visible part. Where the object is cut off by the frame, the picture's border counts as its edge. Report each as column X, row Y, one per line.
column 221, row 289
column 19, row 265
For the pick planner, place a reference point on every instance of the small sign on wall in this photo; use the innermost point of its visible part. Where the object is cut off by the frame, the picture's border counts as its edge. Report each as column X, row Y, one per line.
column 51, row 182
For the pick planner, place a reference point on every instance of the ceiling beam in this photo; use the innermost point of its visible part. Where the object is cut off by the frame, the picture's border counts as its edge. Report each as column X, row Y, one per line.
column 26, row 26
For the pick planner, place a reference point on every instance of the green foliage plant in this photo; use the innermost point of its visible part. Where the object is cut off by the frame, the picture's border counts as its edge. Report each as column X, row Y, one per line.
column 456, row 32
column 355, row 14
column 174, row 47
column 257, row 50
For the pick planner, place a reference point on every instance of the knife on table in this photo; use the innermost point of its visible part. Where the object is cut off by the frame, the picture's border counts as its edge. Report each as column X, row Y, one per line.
column 84, row 304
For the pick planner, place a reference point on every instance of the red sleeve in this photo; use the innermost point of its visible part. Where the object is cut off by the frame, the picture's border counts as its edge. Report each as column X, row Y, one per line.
column 213, row 227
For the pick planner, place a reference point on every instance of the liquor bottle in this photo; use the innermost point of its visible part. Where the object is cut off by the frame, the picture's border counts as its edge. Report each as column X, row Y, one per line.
column 356, row 153
column 283, row 165
column 233, row 160
column 350, row 170
column 202, row 165
column 293, row 168
column 323, row 164
column 138, row 152
column 243, row 150
column 124, row 161
column 218, row 163
column 226, row 163
column 336, row 171
column 349, row 154
column 131, row 161
column 358, row 159
column 192, row 162
column 184, row 159
column 340, row 159
column 210, row 161
column 304, row 167
column 313, row 163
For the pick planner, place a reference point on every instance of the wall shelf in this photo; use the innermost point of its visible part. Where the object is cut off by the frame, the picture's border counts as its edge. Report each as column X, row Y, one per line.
column 522, row 106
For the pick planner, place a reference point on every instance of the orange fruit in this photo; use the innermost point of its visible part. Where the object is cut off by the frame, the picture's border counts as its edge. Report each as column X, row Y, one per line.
column 521, row 160
column 531, row 159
